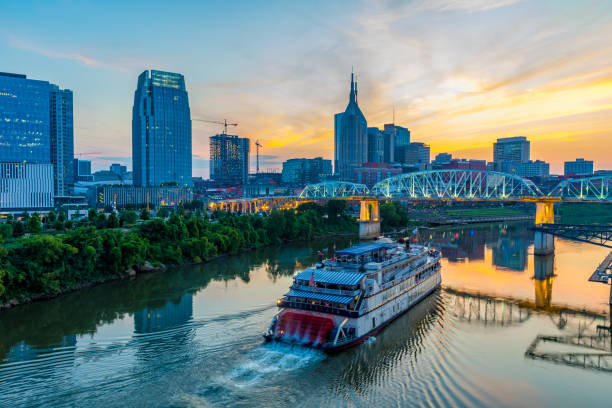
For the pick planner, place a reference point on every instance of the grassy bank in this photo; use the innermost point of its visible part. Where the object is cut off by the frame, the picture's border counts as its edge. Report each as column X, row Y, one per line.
column 45, row 265
column 585, row 213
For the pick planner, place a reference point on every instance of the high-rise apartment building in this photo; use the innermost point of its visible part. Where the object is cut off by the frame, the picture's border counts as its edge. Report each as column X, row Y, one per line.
column 229, row 159
column 161, row 130
column 578, row 167
column 351, row 138
column 511, row 149
column 62, row 139
column 305, row 171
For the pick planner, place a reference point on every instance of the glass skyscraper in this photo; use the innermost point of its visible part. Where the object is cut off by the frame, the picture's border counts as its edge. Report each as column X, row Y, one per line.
column 161, row 130
column 25, row 134
column 351, row 137
column 36, row 128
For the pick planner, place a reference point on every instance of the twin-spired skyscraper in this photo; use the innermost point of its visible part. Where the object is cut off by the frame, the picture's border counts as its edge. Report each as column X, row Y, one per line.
column 161, row 130
column 350, row 137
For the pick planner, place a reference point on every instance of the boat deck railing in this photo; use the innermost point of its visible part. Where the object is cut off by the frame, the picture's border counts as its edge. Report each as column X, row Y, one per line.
column 327, row 291
column 318, row 308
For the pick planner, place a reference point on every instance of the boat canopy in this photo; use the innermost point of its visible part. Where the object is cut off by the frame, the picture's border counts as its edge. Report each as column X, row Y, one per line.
column 361, row 249
column 330, row 277
column 324, row 297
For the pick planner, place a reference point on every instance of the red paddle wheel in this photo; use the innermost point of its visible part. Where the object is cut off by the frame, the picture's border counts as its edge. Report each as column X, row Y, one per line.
column 304, row 328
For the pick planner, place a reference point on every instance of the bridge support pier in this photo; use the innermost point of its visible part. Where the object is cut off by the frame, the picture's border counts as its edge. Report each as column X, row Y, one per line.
column 369, row 219
column 544, row 266
column 544, row 244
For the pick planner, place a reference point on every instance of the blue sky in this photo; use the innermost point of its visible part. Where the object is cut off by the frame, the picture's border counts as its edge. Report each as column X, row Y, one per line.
column 459, row 73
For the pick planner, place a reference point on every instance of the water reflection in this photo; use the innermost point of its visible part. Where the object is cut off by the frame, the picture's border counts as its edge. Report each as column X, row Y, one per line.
column 508, row 243
column 544, row 267
column 170, row 315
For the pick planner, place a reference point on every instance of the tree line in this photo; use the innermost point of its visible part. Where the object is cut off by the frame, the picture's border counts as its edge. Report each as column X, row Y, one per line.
column 46, row 258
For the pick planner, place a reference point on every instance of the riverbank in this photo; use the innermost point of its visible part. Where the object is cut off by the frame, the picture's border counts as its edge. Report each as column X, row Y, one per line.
column 43, row 266
column 458, row 216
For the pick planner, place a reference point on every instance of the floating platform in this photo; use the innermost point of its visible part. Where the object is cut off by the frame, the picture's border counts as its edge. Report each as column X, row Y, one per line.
column 602, row 273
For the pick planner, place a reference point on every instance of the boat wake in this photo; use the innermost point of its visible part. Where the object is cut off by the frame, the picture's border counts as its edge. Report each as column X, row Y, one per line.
column 271, row 359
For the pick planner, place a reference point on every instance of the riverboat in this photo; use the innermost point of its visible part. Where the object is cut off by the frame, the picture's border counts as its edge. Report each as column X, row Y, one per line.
column 348, row 298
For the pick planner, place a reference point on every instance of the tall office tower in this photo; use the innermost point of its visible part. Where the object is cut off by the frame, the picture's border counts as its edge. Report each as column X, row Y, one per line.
column 337, row 133
column 396, row 137
column 62, row 140
column 376, row 145
column 510, row 149
column 351, row 138
column 161, row 130
column 229, row 159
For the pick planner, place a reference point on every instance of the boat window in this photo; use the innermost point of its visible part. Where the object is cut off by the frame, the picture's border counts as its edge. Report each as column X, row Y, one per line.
column 373, row 322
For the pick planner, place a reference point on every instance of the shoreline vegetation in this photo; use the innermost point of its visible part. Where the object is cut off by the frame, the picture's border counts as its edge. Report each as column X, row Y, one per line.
column 41, row 263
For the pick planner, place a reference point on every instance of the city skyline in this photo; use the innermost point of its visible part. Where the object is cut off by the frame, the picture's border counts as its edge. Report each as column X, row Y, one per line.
column 548, row 80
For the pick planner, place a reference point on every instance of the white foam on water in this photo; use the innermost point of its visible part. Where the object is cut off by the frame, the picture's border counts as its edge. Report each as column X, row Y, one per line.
column 271, row 359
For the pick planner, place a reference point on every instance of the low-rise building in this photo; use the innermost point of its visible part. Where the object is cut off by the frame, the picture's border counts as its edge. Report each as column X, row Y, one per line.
column 305, row 171
column 119, row 196
column 579, row 167
column 371, row 173
column 26, row 186
column 536, row 168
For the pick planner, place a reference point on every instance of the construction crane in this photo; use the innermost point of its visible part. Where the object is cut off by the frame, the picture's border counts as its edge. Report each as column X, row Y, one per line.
column 86, row 154
column 257, row 146
column 224, row 123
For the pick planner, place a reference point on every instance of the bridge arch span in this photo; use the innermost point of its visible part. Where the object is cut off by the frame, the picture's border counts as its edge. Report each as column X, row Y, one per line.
column 456, row 184
column 596, row 189
column 333, row 189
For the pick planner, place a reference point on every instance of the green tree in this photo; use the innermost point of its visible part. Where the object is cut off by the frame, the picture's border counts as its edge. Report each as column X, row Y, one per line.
column 112, row 221
column 92, row 215
column 128, row 217
column 18, row 228
column 50, row 219
column 335, row 210
column 100, row 221
column 6, row 231
column 162, row 212
column 58, row 225
column 34, row 225
column 393, row 214
column 144, row 214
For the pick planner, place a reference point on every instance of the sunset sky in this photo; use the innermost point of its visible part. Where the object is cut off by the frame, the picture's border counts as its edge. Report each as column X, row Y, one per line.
column 459, row 73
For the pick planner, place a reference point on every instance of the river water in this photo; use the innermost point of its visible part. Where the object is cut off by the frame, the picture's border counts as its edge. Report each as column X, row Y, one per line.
column 506, row 329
